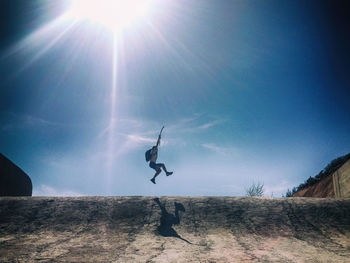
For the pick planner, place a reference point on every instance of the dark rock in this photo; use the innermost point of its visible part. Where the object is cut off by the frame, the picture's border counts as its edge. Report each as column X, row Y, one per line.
column 13, row 181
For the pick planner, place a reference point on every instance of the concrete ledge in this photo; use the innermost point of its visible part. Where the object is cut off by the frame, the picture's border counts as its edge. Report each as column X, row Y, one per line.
column 174, row 229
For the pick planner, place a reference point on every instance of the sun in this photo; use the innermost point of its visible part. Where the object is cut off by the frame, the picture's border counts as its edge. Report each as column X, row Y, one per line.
column 113, row 14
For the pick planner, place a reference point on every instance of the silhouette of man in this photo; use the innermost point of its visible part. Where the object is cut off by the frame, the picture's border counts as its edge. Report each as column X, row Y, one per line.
column 157, row 166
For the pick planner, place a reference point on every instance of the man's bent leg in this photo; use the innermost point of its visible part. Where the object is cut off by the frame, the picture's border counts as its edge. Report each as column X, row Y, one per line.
column 163, row 167
column 165, row 170
column 156, row 174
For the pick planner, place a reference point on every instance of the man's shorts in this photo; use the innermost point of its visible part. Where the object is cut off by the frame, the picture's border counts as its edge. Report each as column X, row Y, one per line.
column 155, row 166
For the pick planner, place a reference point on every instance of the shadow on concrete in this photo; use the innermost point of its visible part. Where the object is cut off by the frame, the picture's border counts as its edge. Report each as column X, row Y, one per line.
column 167, row 220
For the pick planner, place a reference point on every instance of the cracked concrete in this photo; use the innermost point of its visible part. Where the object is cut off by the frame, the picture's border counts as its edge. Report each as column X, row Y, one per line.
column 146, row 229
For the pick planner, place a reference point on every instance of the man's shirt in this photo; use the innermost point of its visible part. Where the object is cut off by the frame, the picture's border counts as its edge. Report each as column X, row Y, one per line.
column 154, row 155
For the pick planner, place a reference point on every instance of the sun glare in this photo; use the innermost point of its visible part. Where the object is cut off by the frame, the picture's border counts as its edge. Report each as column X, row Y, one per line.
column 113, row 14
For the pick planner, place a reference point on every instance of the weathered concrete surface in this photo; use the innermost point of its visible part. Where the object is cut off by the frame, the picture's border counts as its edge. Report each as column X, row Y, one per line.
column 174, row 229
column 13, row 181
column 341, row 181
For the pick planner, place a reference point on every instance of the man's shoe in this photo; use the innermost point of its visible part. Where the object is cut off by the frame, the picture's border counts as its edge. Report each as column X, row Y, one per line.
column 169, row 173
column 153, row 181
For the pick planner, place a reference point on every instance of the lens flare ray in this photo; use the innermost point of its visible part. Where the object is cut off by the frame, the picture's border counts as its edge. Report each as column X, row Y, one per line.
column 46, row 48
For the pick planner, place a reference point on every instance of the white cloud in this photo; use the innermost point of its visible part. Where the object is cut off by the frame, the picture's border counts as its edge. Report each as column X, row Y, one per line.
column 213, row 147
column 139, row 139
column 210, row 124
column 219, row 149
column 125, row 126
column 190, row 119
column 133, row 133
column 46, row 190
column 194, row 123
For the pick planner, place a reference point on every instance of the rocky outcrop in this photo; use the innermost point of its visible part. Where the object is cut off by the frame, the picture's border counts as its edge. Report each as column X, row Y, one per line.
column 324, row 188
column 174, row 229
column 13, row 181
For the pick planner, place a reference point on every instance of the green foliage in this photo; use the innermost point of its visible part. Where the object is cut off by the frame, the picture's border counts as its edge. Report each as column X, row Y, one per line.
column 290, row 193
column 255, row 190
column 327, row 171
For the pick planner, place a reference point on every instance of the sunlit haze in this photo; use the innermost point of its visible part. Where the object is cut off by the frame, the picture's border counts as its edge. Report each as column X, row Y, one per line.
column 248, row 91
column 114, row 14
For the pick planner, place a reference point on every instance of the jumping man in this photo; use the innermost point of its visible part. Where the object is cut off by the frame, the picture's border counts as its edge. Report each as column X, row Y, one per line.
column 153, row 158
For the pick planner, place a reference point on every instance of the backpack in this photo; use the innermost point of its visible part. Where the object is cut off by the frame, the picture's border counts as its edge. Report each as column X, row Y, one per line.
column 148, row 155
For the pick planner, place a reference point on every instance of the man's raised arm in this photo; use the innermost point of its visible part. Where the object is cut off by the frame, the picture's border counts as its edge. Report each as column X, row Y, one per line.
column 158, row 142
column 160, row 134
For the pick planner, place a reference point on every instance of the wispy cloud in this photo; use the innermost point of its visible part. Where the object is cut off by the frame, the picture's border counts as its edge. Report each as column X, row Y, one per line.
column 213, row 147
column 141, row 132
column 46, row 190
column 185, row 120
column 35, row 121
column 128, row 126
column 210, row 124
column 196, row 123
column 129, row 133
column 219, row 149
column 139, row 139
column 13, row 121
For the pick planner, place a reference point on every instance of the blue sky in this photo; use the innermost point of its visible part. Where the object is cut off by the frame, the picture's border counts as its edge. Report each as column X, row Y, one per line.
column 248, row 91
